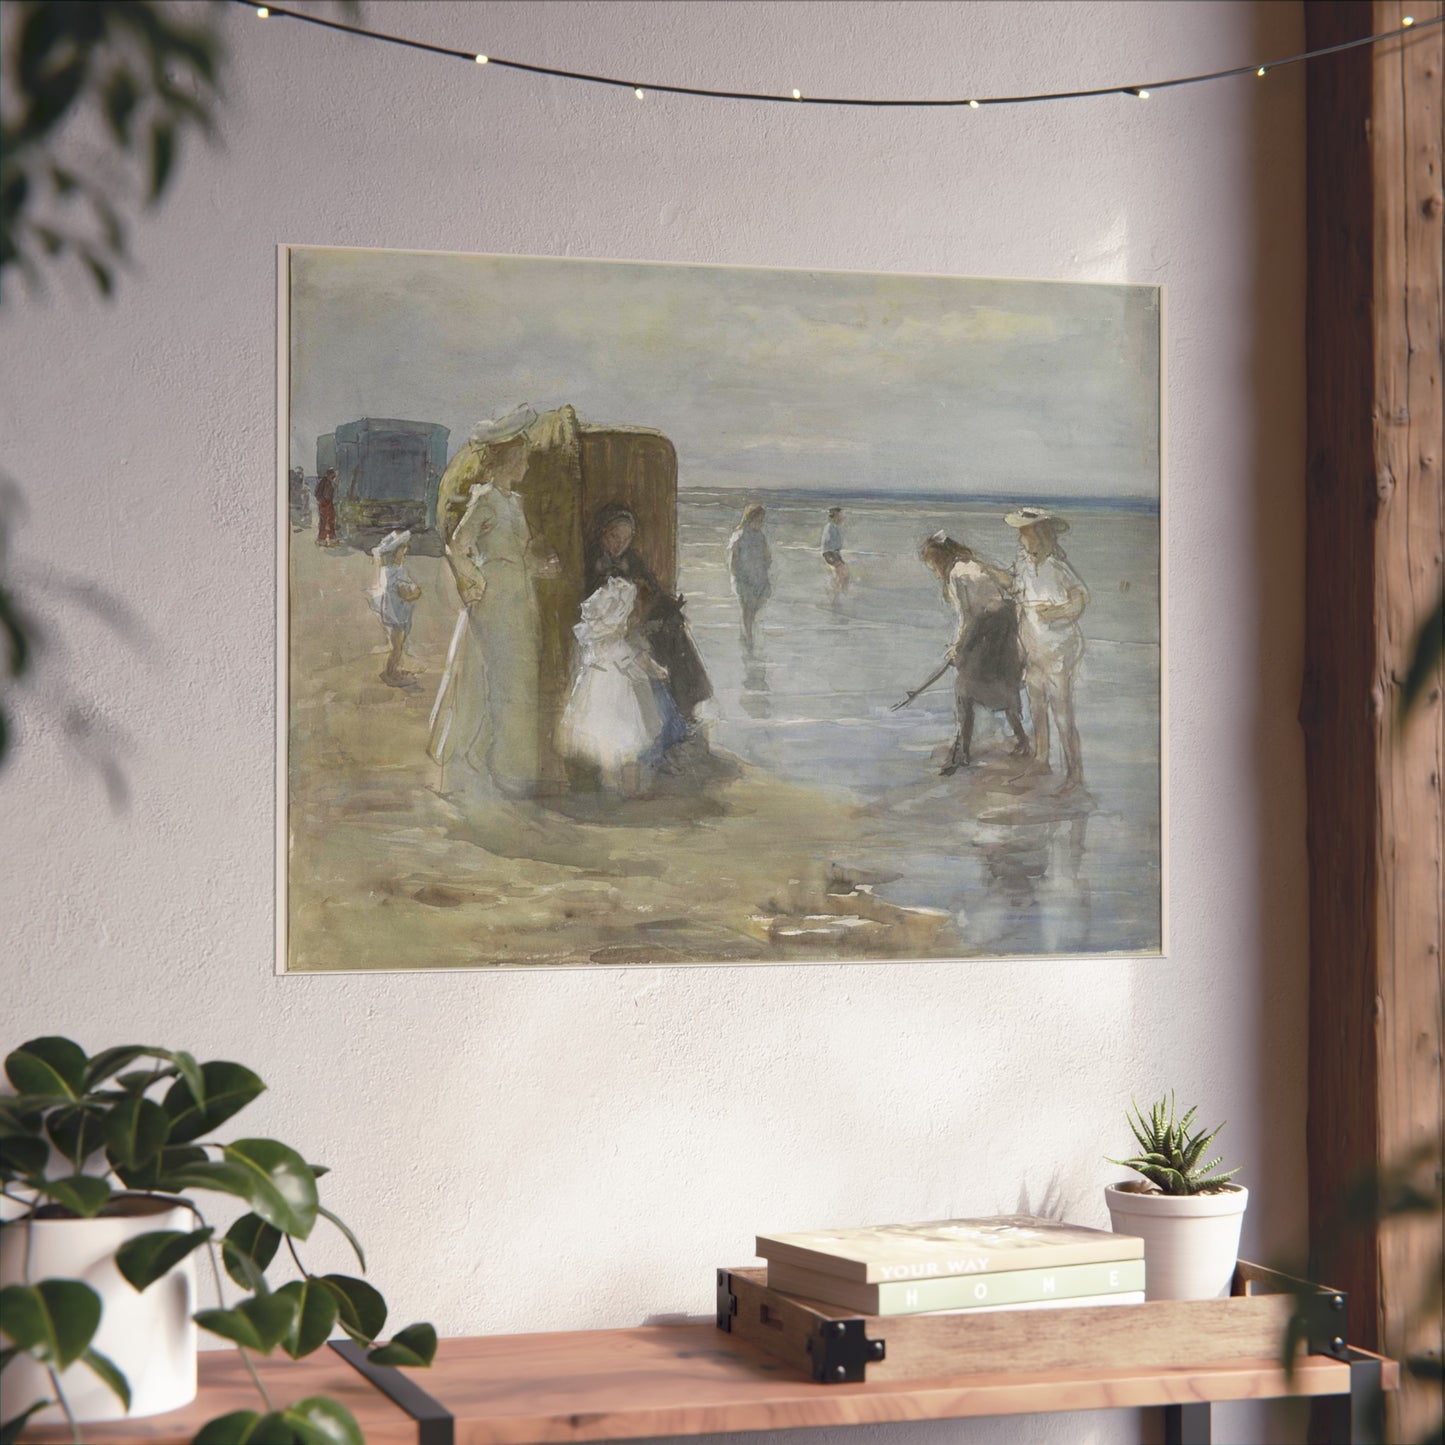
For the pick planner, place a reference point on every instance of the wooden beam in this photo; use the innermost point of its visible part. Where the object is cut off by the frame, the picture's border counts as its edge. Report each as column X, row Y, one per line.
column 1375, row 538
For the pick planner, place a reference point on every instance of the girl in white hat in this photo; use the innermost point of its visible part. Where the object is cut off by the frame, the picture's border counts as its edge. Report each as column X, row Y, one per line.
column 1051, row 598
column 393, row 599
column 612, row 718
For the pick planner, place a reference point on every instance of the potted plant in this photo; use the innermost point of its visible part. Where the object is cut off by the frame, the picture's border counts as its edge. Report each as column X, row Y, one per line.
column 102, row 1230
column 1187, row 1213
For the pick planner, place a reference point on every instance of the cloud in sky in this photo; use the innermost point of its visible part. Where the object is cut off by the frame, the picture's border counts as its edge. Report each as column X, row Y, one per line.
column 826, row 379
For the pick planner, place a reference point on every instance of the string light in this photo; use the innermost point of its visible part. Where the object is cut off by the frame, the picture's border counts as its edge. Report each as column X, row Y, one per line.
column 1141, row 91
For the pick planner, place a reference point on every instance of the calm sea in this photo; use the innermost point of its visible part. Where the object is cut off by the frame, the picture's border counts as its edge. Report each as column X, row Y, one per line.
column 812, row 701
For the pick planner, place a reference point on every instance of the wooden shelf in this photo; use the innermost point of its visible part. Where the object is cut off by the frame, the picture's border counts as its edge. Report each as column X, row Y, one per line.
column 691, row 1380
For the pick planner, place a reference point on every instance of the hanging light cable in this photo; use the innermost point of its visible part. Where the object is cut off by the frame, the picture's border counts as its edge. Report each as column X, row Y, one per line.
column 796, row 97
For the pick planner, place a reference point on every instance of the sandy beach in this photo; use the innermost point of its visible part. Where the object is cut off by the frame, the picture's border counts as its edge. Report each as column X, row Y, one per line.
column 815, row 827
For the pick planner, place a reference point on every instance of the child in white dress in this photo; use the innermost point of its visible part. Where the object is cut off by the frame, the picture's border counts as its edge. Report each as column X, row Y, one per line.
column 612, row 719
column 393, row 598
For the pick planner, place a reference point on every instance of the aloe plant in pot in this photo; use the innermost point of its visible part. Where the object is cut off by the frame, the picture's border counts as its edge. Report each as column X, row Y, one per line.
column 103, row 1228
column 1187, row 1212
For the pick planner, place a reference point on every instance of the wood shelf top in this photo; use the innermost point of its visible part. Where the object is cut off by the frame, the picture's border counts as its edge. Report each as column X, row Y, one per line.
column 688, row 1379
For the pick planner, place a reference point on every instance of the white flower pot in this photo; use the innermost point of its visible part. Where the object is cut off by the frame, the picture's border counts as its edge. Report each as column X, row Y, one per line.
column 1191, row 1241
column 149, row 1336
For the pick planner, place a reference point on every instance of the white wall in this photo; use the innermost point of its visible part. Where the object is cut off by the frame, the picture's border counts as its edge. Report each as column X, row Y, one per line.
column 556, row 1150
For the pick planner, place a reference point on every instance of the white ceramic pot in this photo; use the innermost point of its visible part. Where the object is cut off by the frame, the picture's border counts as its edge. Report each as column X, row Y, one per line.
column 1191, row 1241
column 149, row 1336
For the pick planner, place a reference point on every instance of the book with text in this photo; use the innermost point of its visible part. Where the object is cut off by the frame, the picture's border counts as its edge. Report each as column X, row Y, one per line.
column 943, row 1247
column 961, row 1292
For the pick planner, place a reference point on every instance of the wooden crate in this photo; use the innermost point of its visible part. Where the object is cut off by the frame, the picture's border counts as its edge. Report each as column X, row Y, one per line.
column 837, row 1346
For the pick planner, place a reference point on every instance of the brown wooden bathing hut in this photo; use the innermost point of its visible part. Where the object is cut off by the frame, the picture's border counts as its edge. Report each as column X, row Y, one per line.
column 573, row 470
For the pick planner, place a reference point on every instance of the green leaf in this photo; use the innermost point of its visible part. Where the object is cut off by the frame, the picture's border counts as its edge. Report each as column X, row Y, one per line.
column 54, row 1320
column 283, row 1188
column 351, row 1239
column 245, row 1427
column 226, row 1089
column 83, row 1194
column 121, row 97
column 136, row 1130
column 106, row 1368
column 49, row 1065
column 77, row 1131
column 11, row 1430
column 259, row 1323
column 21, row 1157
column 248, row 1248
column 415, row 1345
column 1429, row 648
column 155, row 1174
column 111, row 1061
column 163, row 156
column 361, row 1309
column 149, row 1257
column 316, row 1311
column 319, row 1421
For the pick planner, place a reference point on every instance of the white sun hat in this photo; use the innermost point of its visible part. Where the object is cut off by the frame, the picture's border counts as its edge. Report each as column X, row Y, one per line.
column 1028, row 516
column 504, row 428
column 389, row 544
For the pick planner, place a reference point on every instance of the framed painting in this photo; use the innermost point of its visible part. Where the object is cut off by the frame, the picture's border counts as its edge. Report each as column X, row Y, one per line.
column 645, row 614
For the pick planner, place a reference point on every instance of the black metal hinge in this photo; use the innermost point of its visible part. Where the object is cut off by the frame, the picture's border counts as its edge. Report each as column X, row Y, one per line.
column 841, row 1352
column 727, row 1301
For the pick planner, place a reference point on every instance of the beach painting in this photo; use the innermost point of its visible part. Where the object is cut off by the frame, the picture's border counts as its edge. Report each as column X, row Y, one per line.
column 645, row 615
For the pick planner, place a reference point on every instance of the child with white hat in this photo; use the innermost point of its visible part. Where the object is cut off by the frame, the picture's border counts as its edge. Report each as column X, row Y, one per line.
column 393, row 597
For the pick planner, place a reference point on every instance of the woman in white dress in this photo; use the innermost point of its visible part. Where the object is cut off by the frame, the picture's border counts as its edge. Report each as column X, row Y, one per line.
column 485, row 722
column 612, row 719
column 1051, row 598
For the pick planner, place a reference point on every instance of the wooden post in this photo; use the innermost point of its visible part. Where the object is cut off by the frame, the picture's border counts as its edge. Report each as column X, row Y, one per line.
column 1375, row 537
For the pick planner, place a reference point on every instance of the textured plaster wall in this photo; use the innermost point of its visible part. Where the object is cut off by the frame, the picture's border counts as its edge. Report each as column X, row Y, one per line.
column 555, row 1150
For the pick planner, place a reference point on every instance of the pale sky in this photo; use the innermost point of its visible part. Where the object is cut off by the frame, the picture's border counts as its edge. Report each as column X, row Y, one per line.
column 833, row 380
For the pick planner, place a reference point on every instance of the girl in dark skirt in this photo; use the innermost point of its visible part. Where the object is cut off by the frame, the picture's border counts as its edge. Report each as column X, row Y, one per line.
column 661, row 625
column 987, row 657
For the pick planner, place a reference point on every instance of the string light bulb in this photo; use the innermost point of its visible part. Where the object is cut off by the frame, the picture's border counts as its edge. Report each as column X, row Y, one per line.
column 973, row 105
column 1407, row 21
column 1142, row 94
column 482, row 59
column 1262, row 71
column 797, row 95
column 638, row 92
column 262, row 12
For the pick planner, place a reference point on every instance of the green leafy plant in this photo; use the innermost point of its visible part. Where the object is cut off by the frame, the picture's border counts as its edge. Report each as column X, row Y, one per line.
column 82, row 1134
column 1171, row 1153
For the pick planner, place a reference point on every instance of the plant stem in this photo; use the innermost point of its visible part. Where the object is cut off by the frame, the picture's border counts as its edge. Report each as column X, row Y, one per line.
column 221, row 1301
column 64, row 1404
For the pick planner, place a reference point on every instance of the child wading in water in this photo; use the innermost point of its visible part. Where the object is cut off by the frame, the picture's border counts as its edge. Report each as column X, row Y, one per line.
column 620, row 715
column 392, row 599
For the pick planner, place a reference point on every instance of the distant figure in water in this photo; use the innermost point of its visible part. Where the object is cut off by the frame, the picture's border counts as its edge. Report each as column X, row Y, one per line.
column 833, row 555
column 1051, row 598
column 393, row 597
column 749, row 566
column 986, row 654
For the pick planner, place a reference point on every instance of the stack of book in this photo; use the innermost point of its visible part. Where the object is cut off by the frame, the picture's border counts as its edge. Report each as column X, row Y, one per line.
column 1011, row 1261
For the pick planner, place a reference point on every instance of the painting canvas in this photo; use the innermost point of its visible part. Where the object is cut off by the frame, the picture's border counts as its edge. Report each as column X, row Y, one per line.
column 638, row 614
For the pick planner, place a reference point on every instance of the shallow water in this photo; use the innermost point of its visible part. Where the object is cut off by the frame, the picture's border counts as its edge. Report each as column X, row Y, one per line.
column 1020, row 872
